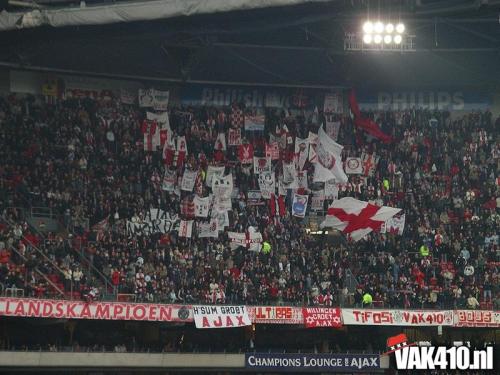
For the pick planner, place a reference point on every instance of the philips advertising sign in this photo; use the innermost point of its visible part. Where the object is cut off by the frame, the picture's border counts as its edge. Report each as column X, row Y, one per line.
column 450, row 100
column 313, row 362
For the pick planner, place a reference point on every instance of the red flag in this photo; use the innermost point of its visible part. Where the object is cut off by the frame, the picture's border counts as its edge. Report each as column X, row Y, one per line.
column 366, row 124
column 277, row 205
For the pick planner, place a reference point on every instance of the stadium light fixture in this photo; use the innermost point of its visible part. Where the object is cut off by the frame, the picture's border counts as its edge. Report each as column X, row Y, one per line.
column 378, row 27
column 382, row 32
column 368, row 27
column 367, row 39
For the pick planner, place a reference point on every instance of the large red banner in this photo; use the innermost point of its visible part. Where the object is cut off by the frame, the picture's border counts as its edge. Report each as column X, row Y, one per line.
column 322, row 317
column 39, row 308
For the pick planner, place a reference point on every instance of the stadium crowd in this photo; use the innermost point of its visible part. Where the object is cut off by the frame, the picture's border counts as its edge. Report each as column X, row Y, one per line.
column 85, row 159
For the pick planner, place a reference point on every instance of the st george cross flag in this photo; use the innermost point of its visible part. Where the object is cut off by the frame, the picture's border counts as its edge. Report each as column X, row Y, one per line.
column 356, row 218
column 329, row 164
column 301, row 152
column 220, row 142
column 201, row 206
column 186, row 228
column 353, row 166
column 299, row 205
column 395, row 225
column 251, row 240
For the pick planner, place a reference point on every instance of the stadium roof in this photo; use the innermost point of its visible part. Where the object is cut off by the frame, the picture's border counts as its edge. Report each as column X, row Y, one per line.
column 458, row 44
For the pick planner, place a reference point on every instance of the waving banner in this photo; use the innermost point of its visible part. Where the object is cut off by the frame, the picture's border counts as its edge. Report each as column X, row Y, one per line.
column 220, row 316
column 251, row 240
column 222, row 186
column 329, row 161
column 169, row 180
column 186, row 228
column 301, row 152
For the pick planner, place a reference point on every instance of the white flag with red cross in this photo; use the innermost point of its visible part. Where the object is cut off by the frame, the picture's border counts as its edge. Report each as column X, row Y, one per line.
column 356, row 218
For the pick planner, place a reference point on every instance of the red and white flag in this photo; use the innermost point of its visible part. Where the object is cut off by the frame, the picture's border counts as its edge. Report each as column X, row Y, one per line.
column 151, row 134
column 395, row 225
column 277, row 205
column 181, row 150
column 273, row 150
column 322, row 317
column 234, row 137
column 250, row 239
column 356, row 218
column 370, row 162
column 220, row 142
column 329, row 162
column 245, row 154
column 186, row 228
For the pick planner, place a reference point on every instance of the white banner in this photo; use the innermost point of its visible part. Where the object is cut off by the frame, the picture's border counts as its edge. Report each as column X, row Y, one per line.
column 212, row 172
column 208, row 230
column 334, row 103
column 222, row 218
column 57, row 309
column 188, row 180
column 289, row 176
column 222, row 186
column 301, row 177
column 250, row 240
column 317, row 201
column 299, row 205
column 332, row 127
column 220, row 316
column 397, row 317
column 331, row 190
column 186, row 228
column 329, row 161
column 301, row 152
column 395, row 225
column 201, row 206
column 267, row 184
column 220, row 142
column 169, row 180
column 353, row 166
column 151, row 98
column 261, row 165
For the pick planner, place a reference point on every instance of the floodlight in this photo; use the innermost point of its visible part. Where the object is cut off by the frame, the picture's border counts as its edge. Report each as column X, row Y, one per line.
column 368, row 27
column 378, row 27
column 387, row 39
column 377, row 39
column 400, row 28
column 389, row 28
column 367, row 38
column 398, row 39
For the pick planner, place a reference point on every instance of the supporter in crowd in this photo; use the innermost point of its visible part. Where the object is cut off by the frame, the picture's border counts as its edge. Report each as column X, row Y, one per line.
column 86, row 160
